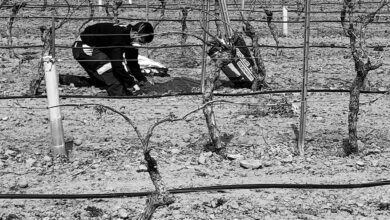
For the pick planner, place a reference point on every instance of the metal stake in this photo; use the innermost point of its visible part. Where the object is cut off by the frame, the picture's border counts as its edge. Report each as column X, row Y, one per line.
column 225, row 18
column 53, row 36
column 205, row 37
column 302, row 126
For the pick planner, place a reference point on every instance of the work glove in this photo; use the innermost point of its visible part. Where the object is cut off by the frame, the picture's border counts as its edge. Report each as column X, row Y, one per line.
column 136, row 90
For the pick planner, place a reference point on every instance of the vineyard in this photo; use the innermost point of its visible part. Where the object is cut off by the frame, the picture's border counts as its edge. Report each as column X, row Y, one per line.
column 258, row 128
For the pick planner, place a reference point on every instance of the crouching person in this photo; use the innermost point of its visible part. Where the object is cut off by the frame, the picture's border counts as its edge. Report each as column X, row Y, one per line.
column 108, row 53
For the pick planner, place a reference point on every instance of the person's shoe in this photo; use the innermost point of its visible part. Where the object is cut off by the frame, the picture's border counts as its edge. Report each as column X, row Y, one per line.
column 77, row 81
column 128, row 93
column 63, row 80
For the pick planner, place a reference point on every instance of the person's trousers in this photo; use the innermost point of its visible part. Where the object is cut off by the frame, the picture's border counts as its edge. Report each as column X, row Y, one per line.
column 98, row 66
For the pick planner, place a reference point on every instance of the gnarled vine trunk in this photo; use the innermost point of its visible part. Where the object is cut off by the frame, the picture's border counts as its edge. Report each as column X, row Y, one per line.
column 362, row 63
column 354, row 100
column 161, row 196
column 272, row 28
column 220, row 59
column 259, row 67
column 15, row 9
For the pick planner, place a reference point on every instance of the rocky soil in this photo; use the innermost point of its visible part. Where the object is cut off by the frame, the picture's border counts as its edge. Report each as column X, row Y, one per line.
column 106, row 155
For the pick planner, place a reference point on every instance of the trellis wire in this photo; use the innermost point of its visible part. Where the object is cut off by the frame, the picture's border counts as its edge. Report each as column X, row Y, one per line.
column 126, row 5
column 177, row 20
column 195, row 45
column 200, row 189
column 197, row 94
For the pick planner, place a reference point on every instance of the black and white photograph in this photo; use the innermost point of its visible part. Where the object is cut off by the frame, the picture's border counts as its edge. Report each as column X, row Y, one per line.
column 194, row 109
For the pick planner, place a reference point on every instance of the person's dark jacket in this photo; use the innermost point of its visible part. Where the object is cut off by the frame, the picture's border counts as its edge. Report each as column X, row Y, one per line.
column 114, row 40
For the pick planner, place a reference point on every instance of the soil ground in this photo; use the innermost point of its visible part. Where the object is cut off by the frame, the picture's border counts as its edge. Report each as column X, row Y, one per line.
column 106, row 155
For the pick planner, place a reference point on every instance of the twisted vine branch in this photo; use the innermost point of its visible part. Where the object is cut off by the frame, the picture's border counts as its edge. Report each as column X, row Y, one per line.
column 15, row 9
column 162, row 13
column 161, row 196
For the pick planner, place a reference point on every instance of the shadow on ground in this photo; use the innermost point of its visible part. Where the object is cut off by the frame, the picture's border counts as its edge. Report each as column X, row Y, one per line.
column 176, row 85
column 162, row 85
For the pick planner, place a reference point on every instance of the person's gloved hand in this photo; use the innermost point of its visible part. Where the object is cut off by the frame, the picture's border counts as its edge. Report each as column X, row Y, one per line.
column 136, row 90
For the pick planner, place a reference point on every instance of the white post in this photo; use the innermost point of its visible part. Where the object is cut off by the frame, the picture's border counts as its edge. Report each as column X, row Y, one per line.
column 56, row 128
column 100, row 5
column 242, row 5
column 285, row 20
column 130, row 2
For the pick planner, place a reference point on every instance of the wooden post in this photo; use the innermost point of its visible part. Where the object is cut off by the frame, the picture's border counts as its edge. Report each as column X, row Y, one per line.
column 56, row 128
column 285, row 20
column 302, row 127
column 242, row 5
column 206, row 7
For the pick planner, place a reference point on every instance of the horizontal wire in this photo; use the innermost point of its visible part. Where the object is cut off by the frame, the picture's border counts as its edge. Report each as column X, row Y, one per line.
column 167, row 5
column 238, row 7
column 249, row 104
column 315, row 45
column 195, row 94
column 188, row 20
column 18, row 16
column 199, row 189
column 252, row 11
column 197, row 45
column 167, row 8
column 70, row 59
